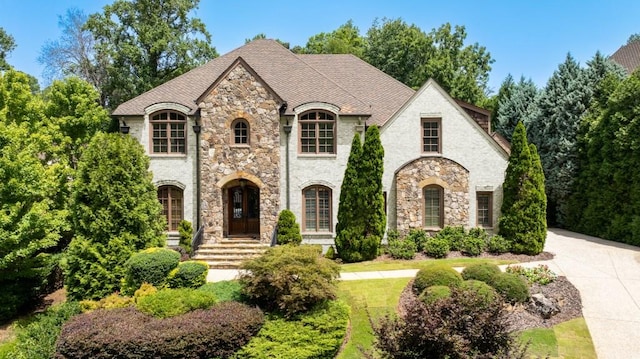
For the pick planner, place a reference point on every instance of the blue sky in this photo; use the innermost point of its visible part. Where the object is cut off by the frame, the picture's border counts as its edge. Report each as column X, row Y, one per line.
column 524, row 37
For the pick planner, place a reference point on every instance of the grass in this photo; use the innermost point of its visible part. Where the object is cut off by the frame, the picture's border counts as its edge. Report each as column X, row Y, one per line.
column 393, row 264
column 567, row 340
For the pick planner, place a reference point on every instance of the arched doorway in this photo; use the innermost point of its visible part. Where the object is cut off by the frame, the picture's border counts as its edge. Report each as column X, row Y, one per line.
column 243, row 209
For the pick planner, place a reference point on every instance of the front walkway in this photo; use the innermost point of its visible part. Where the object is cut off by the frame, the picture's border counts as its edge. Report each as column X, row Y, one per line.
column 606, row 273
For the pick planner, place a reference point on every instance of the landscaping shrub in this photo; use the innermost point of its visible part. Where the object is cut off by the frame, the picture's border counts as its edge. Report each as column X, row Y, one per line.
column 436, row 247
column 331, row 253
column 478, row 232
column 290, row 279
column 473, row 246
column 484, row 272
column 512, row 287
column 431, row 276
column 419, row 237
column 185, row 229
column 288, row 229
column 460, row 326
column 37, row 339
column 540, row 274
column 127, row 333
column 402, row 249
column 171, row 302
column 225, row 291
column 151, row 266
column 392, row 235
column 498, row 244
column 317, row 334
column 144, row 290
column 433, row 293
column 112, row 301
column 188, row 274
column 454, row 235
column 484, row 292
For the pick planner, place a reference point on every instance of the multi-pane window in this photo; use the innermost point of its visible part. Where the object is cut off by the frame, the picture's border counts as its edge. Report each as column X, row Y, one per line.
column 171, row 199
column 433, row 206
column 431, row 135
column 484, row 204
column 317, row 132
column 168, row 132
column 317, row 209
column 240, row 132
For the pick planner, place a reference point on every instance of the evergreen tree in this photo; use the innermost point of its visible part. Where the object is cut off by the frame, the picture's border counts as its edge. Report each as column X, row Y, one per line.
column 523, row 218
column 492, row 103
column 116, row 213
column 288, row 228
column 371, row 170
column 517, row 105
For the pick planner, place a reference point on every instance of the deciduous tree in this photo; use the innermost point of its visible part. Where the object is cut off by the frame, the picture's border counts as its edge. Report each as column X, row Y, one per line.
column 346, row 39
column 7, row 44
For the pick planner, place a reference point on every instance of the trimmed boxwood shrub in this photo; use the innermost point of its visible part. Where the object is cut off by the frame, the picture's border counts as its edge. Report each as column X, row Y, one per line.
column 513, row 287
column 127, row 333
column 433, row 293
column 225, row 291
column 419, row 237
column 431, row 276
column 436, row 247
column 289, row 279
column 151, row 265
column 171, row 302
column 484, row 272
column 402, row 249
column 473, row 246
column 483, row 291
column 317, row 334
column 454, row 235
column 188, row 274
column 498, row 245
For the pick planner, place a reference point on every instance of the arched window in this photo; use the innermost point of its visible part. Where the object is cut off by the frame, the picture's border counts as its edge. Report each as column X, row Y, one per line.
column 433, row 206
column 316, row 209
column 172, row 205
column 317, row 132
column 168, row 133
column 240, row 132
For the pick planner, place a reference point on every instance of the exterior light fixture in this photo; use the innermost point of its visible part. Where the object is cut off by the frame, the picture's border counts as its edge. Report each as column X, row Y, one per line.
column 124, row 129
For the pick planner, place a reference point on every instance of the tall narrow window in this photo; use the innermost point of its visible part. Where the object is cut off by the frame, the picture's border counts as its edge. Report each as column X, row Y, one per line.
column 317, row 209
column 172, row 205
column 168, row 133
column 240, row 132
column 433, row 206
column 431, row 136
column 317, row 132
column 484, row 205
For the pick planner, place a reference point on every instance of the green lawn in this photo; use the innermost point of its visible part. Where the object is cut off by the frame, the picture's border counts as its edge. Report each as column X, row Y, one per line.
column 568, row 340
column 393, row 264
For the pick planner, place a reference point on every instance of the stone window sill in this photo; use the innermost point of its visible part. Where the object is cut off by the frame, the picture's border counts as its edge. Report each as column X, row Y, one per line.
column 170, row 155
column 310, row 155
column 241, row 146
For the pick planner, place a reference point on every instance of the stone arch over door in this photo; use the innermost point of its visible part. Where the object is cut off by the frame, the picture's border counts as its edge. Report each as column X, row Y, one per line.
column 416, row 175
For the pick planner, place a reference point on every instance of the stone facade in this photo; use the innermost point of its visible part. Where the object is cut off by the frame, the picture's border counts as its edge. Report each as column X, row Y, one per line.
column 239, row 95
column 410, row 182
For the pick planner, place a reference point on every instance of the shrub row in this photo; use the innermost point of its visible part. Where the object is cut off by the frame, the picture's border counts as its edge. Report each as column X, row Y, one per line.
column 511, row 286
column 127, row 333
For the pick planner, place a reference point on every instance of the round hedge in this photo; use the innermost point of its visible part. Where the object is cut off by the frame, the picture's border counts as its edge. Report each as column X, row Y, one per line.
column 513, row 287
column 483, row 292
column 473, row 246
column 434, row 293
column 188, row 274
column 436, row 247
column 431, row 276
column 484, row 272
column 151, row 266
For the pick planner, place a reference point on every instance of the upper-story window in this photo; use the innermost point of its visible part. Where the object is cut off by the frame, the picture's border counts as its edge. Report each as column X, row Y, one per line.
column 317, row 132
column 240, row 132
column 431, row 135
column 168, row 132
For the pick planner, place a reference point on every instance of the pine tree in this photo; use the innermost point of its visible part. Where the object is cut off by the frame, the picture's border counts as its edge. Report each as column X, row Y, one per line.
column 518, row 104
column 523, row 218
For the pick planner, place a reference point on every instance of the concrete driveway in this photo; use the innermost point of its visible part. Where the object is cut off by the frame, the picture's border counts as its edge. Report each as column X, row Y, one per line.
column 607, row 274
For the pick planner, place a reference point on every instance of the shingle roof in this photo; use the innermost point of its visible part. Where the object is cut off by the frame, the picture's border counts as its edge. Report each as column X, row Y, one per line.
column 628, row 56
column 343, row 80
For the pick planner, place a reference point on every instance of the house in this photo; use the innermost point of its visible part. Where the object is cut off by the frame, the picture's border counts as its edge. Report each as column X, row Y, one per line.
column 628, row 56
column 261, row 129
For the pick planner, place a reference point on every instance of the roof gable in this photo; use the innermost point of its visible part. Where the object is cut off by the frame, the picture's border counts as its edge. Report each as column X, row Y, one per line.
column 628, row 56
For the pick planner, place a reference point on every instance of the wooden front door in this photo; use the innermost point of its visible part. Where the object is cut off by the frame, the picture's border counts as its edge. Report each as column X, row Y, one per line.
column 244, row 211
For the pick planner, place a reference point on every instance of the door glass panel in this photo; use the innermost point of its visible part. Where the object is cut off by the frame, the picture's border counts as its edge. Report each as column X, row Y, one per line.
column 253, row 203
column 237, row 203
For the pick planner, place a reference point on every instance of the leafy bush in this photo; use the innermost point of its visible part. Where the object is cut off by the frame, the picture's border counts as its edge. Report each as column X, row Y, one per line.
column 171, row 302
column 460, row 326
column 290, row 279
column 540, row 274
column 478, row 232
column 112, row 301
column 392, row 235
column 402, row 249
column 433, row 293
column 188, row 274
column 484, row 292
column 454, row 235
column 144, row 290
column 513, row 287
column 436, row 247
column 484, row 272
column 185, row 229
column 331, row 253
column 127, row 333
column 431, row 276
column 317, row 334
column 37, row 339
column 225, row 291
column 498, row 245
column 288, row 228
column 151, row 266
column 473, row 246
column 419, row 237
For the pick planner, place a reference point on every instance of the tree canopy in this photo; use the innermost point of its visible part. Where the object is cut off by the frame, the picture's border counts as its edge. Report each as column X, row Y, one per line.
column 346, row 39
column 7, row 44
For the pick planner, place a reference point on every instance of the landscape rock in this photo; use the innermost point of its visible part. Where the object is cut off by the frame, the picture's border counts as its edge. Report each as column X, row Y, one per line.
column 543, row 306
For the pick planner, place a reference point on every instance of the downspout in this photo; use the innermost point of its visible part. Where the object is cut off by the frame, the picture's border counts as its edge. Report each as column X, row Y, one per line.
column 287, row 131
column 196, row 130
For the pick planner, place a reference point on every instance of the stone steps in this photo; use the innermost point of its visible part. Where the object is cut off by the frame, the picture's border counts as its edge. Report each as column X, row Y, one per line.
column 229, row 253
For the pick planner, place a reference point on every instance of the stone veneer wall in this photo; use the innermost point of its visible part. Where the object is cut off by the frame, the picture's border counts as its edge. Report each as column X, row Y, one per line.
column 239, row 95
column 413, row 177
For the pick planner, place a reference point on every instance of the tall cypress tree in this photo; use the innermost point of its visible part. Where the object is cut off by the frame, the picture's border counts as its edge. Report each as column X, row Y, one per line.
column 523, row 219
column 372, row 168
column 349, row 226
